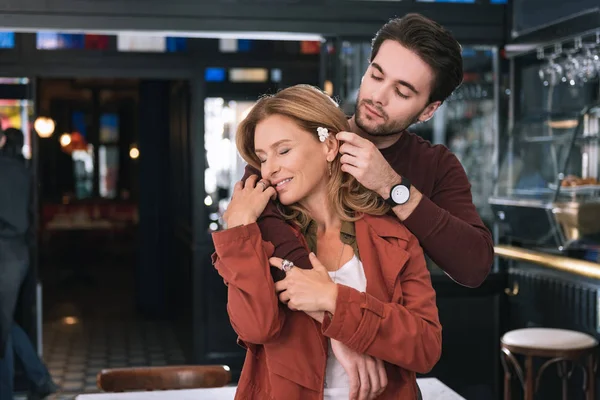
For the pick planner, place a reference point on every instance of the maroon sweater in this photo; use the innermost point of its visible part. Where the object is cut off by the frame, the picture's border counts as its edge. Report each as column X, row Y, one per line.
column 446, row 222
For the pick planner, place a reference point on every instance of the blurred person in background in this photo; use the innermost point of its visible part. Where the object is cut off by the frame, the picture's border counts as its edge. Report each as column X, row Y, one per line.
column 15, row 191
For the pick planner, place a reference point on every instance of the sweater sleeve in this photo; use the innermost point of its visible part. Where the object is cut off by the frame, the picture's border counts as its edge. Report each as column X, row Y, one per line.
column 276, row 230
column 449, row 228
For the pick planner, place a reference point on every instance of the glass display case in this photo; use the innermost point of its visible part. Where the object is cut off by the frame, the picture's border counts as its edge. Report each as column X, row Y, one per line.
column 548, row 194
column 468, row 122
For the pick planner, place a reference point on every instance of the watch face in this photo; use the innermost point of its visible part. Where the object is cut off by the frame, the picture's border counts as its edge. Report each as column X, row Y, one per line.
column 400, row 194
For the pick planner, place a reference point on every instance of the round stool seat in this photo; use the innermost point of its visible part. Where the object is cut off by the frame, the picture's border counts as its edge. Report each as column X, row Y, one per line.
column 548, row 339
column 561, row 347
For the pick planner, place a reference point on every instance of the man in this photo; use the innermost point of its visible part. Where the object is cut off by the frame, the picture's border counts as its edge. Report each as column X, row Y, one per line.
column 415, row 65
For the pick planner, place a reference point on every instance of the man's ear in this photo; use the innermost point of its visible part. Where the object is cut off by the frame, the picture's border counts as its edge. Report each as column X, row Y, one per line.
column 2, row 140
column 429, row 111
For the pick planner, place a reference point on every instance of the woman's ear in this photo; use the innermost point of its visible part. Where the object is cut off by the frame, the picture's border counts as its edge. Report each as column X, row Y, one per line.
column 331, row 148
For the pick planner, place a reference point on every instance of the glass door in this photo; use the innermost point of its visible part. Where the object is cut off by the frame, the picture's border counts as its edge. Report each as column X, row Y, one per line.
column 224, row 165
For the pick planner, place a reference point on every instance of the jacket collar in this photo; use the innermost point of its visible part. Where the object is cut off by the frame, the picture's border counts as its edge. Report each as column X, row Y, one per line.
column 347, row 229
column 385, row 226
column 382, row 225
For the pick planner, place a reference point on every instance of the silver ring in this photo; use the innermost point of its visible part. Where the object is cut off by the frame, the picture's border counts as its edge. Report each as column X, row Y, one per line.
column 287, row 265
column 264, row 185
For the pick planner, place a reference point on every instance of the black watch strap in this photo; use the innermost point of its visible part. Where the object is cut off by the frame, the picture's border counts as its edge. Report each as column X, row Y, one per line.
column 404, row 182
column 390, row 202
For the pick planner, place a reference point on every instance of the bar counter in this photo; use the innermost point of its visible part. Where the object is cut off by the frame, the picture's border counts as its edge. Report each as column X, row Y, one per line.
column 560, row 263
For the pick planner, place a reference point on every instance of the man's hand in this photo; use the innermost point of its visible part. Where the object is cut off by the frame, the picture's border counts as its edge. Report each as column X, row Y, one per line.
column 367, row 377
column 365, row 162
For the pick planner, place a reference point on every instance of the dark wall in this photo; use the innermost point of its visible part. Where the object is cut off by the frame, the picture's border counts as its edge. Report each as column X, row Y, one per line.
column 56, row 166
column 154, row 198
column 180, row 273
column 471, row 323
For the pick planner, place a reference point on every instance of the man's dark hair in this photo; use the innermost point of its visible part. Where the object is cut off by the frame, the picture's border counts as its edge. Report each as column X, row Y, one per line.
column 433, row 44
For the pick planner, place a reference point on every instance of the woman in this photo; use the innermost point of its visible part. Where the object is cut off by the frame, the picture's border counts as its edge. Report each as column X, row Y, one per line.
column 369, row 289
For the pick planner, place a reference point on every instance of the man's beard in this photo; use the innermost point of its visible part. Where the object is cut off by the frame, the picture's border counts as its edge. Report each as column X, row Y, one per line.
column 387, row 128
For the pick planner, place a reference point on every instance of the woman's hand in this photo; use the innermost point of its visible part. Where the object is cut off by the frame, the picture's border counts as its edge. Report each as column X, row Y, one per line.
column 248, row 201
column 318, row 316
column 367, row 377
column 307, row 290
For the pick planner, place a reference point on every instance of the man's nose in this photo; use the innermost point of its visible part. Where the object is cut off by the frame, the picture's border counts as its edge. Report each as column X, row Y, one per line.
column 379, row 95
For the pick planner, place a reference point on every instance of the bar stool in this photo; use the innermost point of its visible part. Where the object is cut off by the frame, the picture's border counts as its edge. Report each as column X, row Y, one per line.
column 560, row 346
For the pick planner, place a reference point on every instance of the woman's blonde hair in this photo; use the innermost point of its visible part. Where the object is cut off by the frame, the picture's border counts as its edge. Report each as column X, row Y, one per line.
column 310, row 109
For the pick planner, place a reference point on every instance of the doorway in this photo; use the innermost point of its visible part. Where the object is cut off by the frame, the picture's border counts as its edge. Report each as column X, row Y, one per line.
column 105, row 223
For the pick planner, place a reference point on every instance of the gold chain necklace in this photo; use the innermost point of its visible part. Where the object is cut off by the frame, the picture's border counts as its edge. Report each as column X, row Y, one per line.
column 338, row 263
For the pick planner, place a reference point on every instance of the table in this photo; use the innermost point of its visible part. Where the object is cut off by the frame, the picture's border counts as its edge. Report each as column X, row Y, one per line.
column 431, row 388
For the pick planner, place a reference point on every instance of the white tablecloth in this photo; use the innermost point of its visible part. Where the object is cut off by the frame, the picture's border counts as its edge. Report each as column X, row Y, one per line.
column 431, row 388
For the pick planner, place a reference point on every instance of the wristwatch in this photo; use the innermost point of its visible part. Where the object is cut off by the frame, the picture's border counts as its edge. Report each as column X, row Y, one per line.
column 400, row 193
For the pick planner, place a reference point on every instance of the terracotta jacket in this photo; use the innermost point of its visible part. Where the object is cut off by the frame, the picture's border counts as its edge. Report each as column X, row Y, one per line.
column 396, row 320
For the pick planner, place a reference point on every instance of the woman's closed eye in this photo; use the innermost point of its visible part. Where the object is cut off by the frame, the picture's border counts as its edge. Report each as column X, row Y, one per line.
column 280, row 152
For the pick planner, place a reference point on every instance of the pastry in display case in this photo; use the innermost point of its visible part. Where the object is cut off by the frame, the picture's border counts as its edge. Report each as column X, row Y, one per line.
column 548, row 192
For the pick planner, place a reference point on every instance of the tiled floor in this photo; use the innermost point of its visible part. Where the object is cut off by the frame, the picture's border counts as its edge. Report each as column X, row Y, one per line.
column 75, row 353
column 89, row 326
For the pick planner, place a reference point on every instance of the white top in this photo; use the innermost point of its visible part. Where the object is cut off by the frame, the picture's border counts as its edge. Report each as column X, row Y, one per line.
column 351, row 274
column 549, row 339
column 431, row 388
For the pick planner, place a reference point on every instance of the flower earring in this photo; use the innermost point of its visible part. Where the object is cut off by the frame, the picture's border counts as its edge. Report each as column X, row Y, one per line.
column 323, row 133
